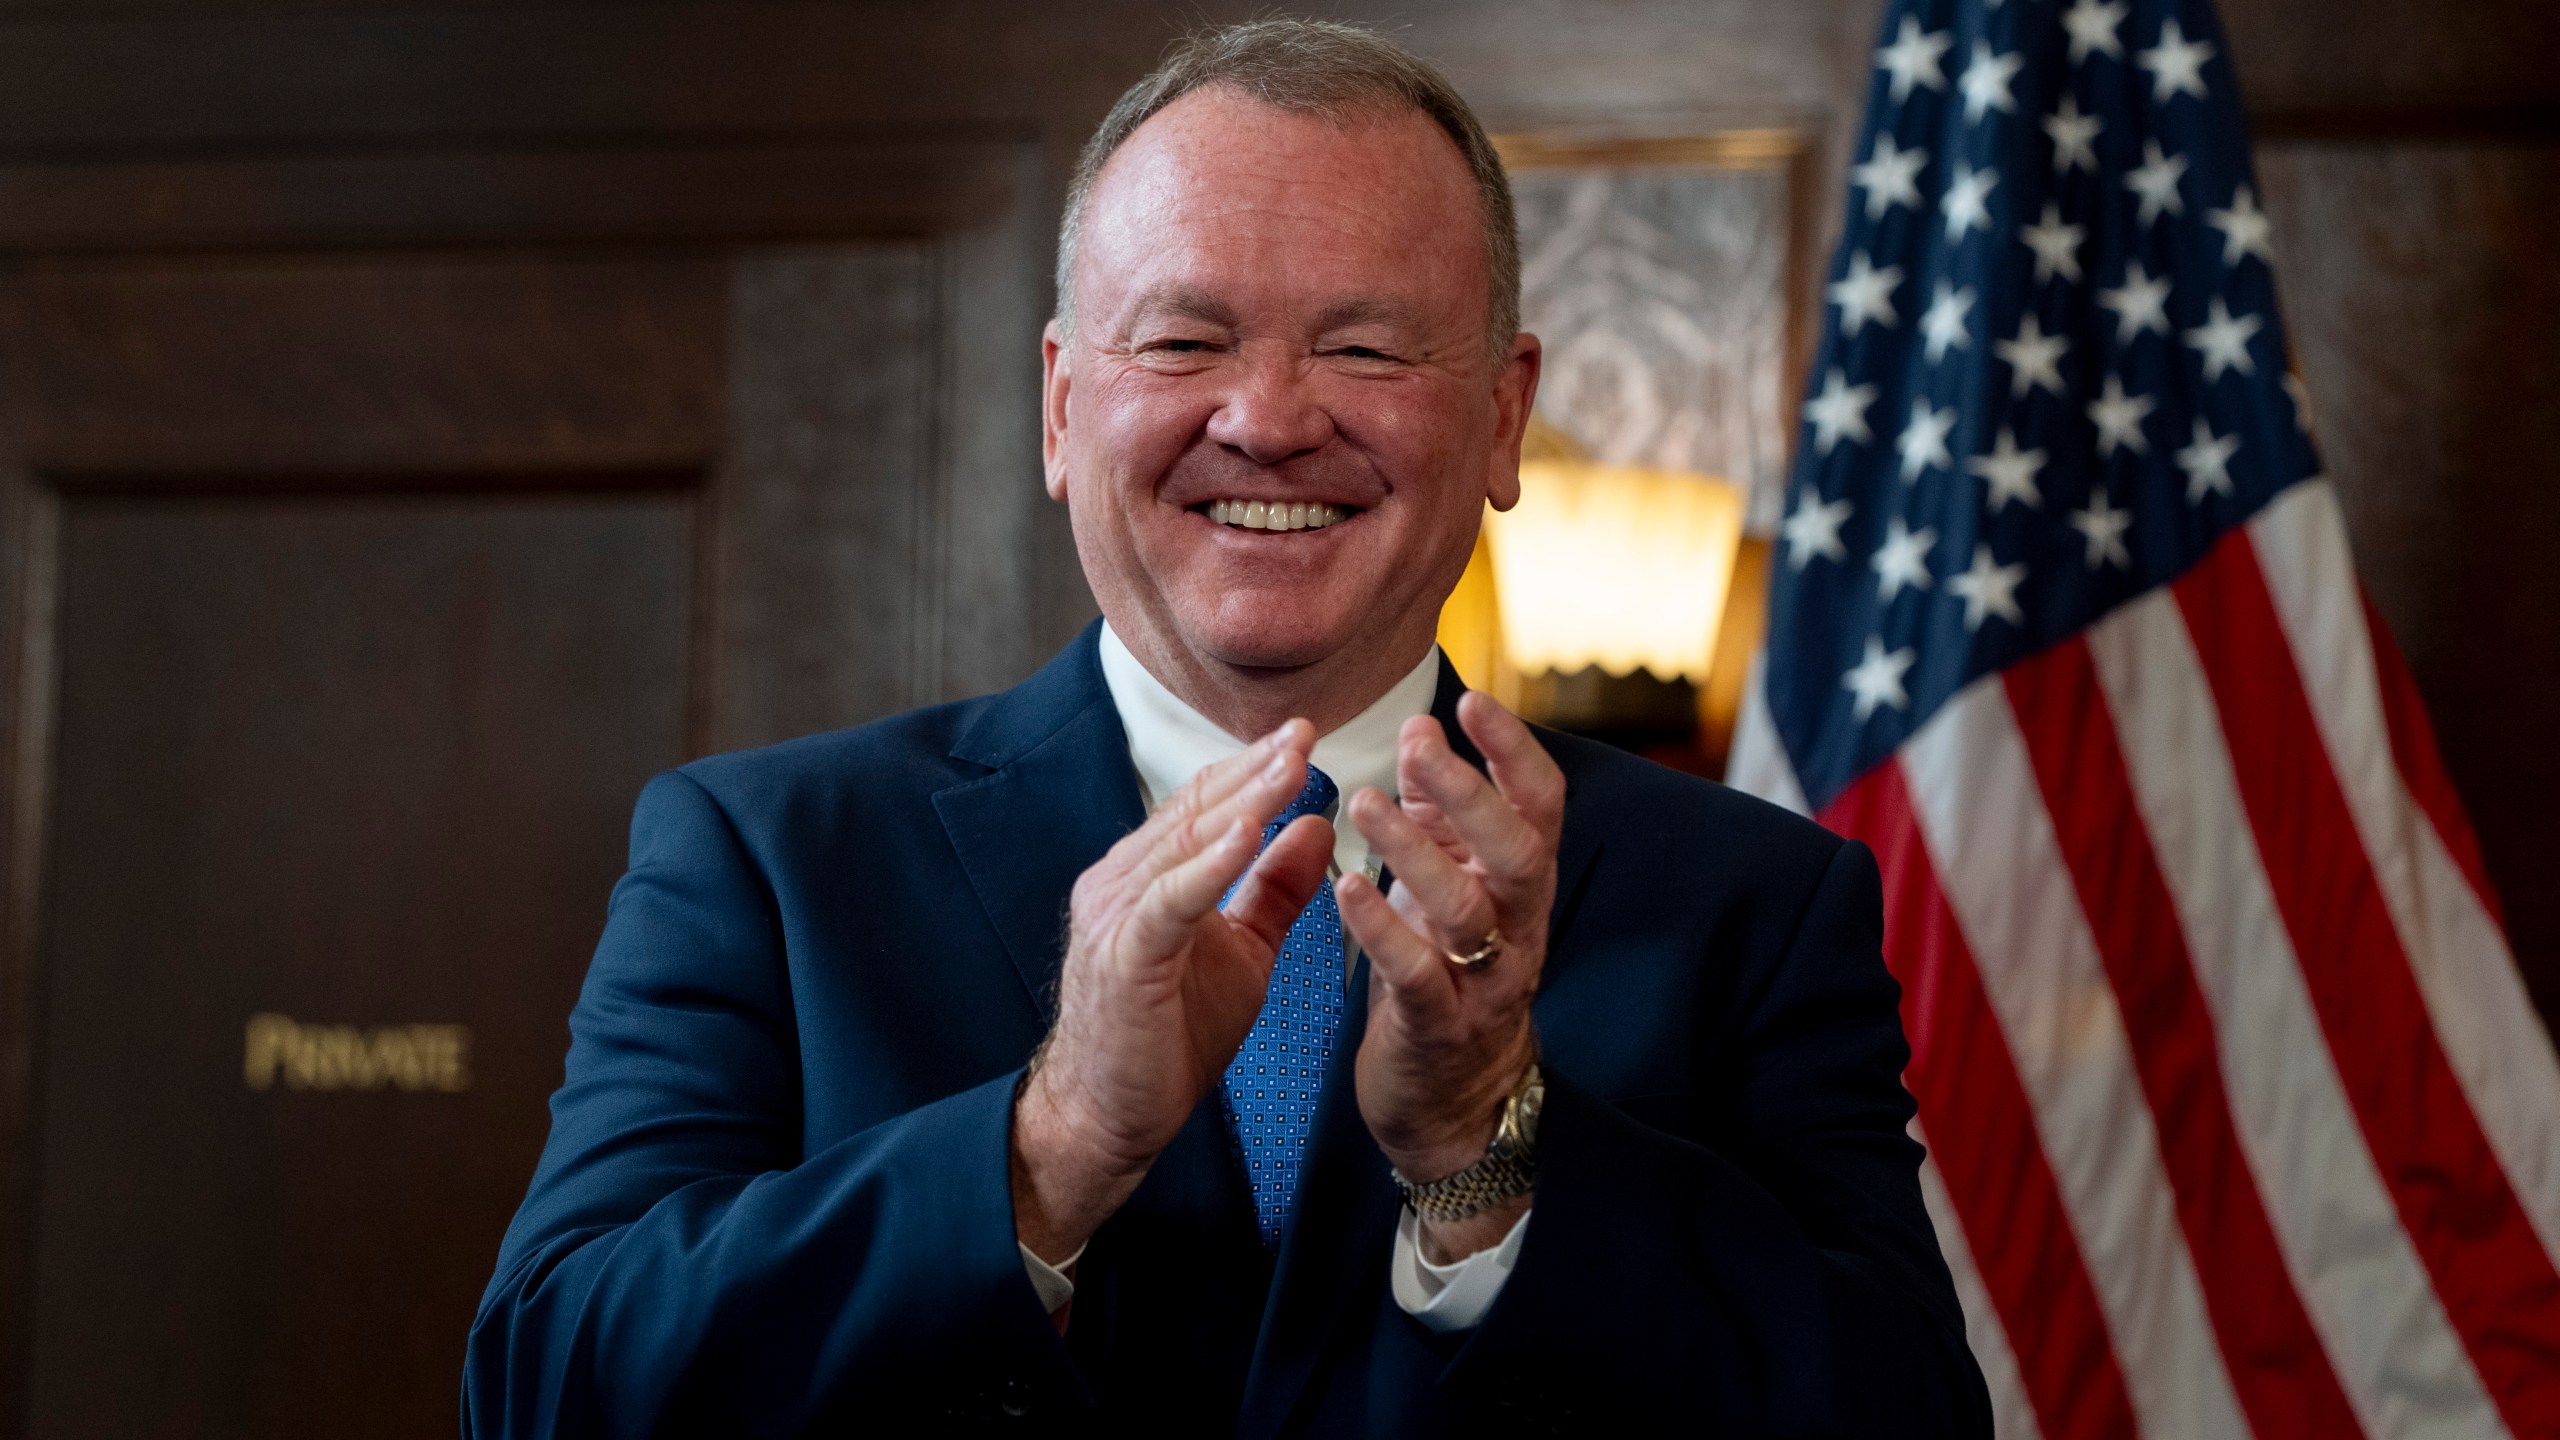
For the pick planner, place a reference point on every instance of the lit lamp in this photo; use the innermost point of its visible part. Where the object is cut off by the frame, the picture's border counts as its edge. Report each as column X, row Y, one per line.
column 1614, row 566
column 1602, row 571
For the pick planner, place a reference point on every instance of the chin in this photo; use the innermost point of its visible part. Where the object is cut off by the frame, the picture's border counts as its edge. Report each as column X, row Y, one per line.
column 1272, row 630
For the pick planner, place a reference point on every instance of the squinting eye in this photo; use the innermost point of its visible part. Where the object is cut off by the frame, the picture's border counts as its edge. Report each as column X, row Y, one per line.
column 1363, row 352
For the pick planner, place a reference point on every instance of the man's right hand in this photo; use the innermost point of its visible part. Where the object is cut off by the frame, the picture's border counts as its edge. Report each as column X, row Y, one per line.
column 1160, row 986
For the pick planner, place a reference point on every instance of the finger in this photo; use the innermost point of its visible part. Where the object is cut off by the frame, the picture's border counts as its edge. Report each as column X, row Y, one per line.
column 1283, row 880
column 1179, row 898
column 1509, row 846
column 1418, row 805
column 1436, row 825
column 1409, row 965
column 1261, row 796
column 1521, row 767
column 1452, row 900
column 1211, row 787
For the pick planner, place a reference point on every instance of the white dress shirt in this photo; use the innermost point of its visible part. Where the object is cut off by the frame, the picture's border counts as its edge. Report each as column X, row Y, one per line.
column 1168, row 743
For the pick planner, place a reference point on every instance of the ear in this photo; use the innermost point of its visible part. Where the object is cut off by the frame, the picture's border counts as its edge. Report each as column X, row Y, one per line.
column 1515, row 390
column 1055, row 378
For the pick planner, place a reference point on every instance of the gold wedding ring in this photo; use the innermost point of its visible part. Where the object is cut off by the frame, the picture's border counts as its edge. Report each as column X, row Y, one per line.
column 1484, row 954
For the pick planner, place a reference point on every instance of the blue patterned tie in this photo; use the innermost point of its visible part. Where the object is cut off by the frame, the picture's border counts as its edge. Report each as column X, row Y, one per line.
column 1272, row 1085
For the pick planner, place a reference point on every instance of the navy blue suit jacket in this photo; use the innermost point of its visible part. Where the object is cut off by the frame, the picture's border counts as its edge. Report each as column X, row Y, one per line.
column 775, row 1199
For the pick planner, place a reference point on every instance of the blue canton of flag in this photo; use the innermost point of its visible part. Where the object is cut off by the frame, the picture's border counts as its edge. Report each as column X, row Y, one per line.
column 2052, row 374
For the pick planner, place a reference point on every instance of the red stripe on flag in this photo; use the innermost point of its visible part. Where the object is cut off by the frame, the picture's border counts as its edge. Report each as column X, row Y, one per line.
column 1979, row 1123
column 2421, row 764
column 2278, row 1366
column 2497, row 1284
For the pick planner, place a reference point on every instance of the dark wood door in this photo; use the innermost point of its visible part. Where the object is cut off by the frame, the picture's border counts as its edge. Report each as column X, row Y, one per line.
column 331, row 769
column 359, row 596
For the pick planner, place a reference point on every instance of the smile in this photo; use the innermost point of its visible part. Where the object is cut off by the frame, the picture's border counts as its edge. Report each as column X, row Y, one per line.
column 1276, row 514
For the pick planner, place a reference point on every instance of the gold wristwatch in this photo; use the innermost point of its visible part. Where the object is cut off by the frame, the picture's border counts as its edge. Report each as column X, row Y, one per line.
column 1508, row 1167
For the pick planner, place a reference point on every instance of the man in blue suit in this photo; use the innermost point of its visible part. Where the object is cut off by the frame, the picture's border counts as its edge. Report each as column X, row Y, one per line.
column 1061, row 1055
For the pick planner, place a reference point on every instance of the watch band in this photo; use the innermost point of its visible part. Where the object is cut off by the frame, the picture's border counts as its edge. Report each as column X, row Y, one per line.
column 1508, row 1167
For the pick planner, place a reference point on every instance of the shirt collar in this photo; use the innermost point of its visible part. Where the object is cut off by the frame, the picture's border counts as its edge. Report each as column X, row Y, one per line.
column 1169, row 741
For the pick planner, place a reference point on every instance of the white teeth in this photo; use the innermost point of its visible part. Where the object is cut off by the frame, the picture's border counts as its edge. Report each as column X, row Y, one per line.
column 1275, row 514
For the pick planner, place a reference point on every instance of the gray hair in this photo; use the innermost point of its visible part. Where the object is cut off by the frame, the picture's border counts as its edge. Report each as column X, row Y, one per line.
column 1321, row 68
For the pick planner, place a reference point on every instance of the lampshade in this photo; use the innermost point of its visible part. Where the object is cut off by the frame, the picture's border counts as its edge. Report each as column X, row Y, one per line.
column 1614, row 566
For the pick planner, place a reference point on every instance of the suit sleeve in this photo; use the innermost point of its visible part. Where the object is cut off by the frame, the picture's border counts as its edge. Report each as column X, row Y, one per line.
column 678, row 1266
column 1788, row 1279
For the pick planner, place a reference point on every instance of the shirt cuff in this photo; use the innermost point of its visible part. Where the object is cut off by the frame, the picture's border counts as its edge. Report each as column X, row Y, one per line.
column 1453, row 1296
column 1051, row 1281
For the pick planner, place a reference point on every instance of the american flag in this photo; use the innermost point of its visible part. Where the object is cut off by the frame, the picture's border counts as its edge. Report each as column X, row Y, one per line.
column 2240, row 1121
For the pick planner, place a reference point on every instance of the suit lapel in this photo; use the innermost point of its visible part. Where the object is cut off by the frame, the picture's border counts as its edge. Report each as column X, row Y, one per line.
column 1061, row 791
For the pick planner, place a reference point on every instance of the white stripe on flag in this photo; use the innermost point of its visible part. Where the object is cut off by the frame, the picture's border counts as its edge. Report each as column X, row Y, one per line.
column 2013, row 1415
column 2388, row 1336
column 2483, row 1016
column 1981, row 813
column 1758, row 764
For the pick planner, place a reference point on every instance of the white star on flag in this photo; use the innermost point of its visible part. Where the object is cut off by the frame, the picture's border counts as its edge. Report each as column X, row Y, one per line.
column 1865, row 293
column 1814, row 529
column 1877, row 679
column 2092, row 24
column 1988, row 589
column 2141, row 303
column 2118, row 417
column 2156, row 181
column 2244, row 228
column 1890, row 175
column 1963, row 205
column 1841, row 409
column 2072, row 133
column 2057, row 245
column 1944, row 324
column 1913, row 59
column 2207, row 462
column 2176, row 64
column 2103, row 526
column 1986, row 81
column 2223, row 341
column 2034, row 358
column 1923, row 443
column 2012, row 473
column 1902, row 560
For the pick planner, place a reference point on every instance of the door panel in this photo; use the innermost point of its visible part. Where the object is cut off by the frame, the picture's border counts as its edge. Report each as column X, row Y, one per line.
column 356, row 762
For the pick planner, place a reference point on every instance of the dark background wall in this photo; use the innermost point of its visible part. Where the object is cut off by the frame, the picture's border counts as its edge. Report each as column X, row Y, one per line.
column 420, row 421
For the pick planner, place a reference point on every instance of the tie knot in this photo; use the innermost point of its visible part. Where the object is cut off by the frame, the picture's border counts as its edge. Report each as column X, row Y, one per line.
column 1314, row 798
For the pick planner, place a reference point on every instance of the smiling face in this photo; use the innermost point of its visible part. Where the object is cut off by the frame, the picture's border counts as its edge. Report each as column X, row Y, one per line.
column 1279, row 315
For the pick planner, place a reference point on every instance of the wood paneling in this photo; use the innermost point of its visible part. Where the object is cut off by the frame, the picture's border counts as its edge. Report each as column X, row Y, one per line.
column 356, row 760
column 613, row 194
column 831, row 605
column 298, row 364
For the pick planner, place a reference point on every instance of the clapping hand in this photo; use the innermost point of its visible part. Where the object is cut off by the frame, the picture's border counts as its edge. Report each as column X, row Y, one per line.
column 1159, row 985
column 1475, row 861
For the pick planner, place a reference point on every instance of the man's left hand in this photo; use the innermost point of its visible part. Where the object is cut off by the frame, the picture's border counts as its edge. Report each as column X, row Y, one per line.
column 1473, row 858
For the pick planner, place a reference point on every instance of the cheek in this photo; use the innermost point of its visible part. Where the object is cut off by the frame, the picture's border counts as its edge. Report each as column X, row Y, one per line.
column 1429, row 441
column 1131, row 429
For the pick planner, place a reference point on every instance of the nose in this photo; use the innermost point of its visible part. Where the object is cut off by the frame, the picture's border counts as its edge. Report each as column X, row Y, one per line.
column 1270, row 412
